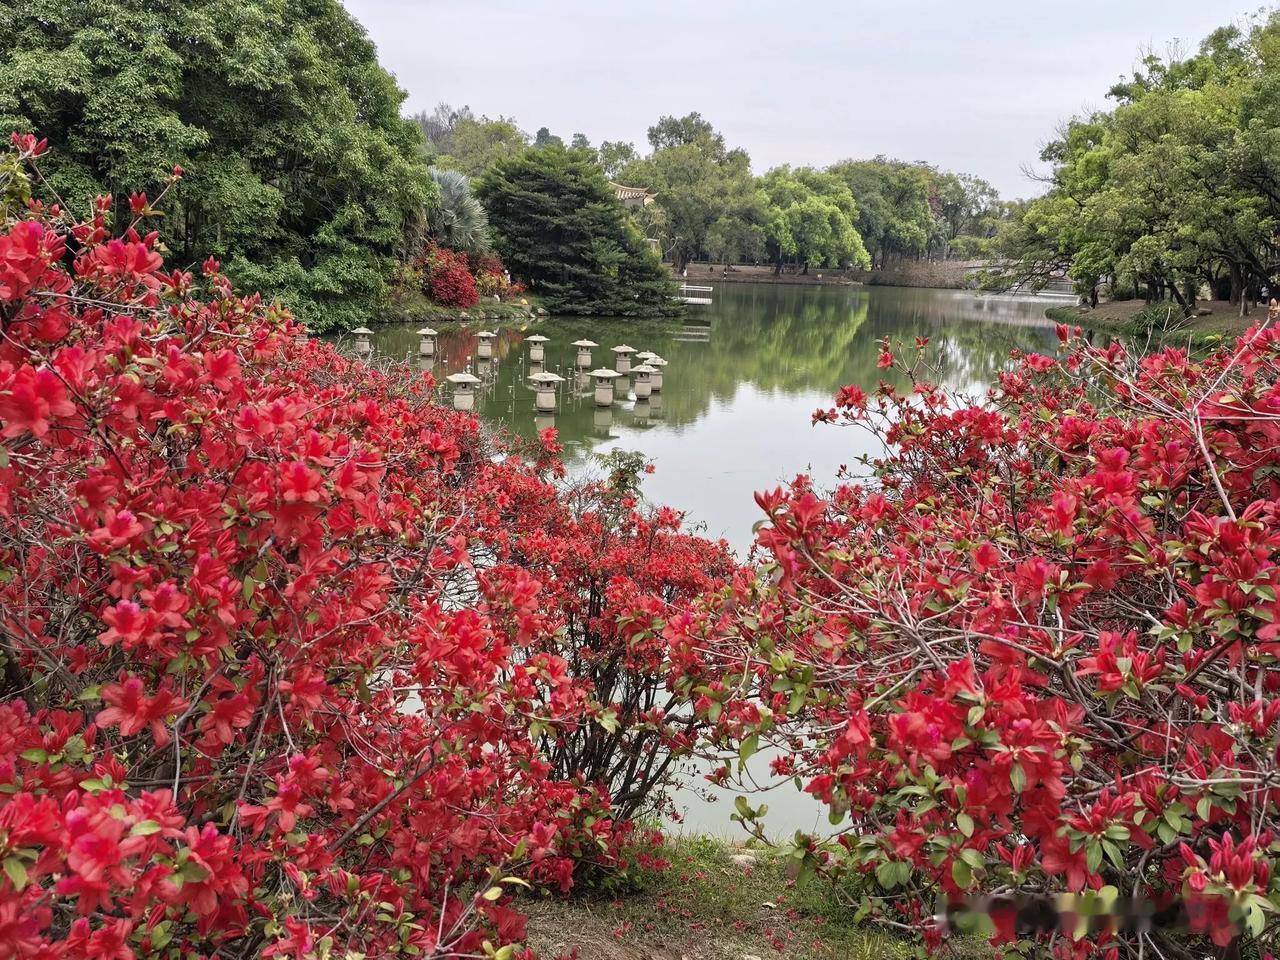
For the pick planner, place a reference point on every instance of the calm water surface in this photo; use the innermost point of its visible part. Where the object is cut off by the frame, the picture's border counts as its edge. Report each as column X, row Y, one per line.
column 743, row 379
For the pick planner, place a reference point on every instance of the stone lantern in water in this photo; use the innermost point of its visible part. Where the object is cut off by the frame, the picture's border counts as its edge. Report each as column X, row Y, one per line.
column 604, row 386
column 623, row 354
column 641, row 382
column 537, row 352
column 584, row 351
column 464, row 390
column 542, row 421
column 602, row 419
column 427, row 342
column 484, row 344
column 544, row 391
column 363, row 343
column 644, row 355
column 656, row 364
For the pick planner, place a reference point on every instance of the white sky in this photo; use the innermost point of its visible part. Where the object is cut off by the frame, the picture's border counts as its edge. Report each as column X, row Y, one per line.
column 973, row 87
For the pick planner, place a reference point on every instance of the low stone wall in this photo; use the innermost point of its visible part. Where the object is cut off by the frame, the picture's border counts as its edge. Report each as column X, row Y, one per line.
column 943, row 274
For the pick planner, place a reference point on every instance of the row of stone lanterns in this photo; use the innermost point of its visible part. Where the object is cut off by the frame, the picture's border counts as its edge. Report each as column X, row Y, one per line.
column 646, row 376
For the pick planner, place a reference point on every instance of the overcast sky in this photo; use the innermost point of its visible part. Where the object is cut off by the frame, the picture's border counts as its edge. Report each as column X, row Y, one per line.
column 972, row 87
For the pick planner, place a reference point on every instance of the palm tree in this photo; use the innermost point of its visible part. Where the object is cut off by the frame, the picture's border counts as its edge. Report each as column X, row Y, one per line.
column 459, row 221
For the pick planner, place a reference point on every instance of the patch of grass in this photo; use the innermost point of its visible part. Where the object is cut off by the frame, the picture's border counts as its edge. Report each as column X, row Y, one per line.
column 716, row 901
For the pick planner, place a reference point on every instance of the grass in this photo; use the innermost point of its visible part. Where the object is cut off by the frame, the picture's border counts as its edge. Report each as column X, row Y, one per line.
column 1161, row 323
column 708, row 906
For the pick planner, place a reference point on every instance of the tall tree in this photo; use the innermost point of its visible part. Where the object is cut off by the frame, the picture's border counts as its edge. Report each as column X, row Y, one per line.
column 811, row 218
column 558, row 225
column 476, row 143
column 301, row 175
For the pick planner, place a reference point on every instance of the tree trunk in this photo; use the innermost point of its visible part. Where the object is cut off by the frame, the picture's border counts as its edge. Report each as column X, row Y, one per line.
column 1237, row 285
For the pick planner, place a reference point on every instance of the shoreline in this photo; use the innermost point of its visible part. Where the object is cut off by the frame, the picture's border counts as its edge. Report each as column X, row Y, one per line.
column 1214, row 320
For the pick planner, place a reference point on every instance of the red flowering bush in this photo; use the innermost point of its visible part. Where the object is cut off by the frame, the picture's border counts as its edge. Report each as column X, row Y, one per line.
column 1034, row 651
column 281, row 638
column 448, row 277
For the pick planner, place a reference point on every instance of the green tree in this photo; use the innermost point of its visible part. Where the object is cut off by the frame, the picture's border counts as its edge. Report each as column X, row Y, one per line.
column 477, row 143
column 545, row 138
column 811, row 217
column 895, row 219
column 302, row 177
column 708, row 197
column 557, row 225
column 614, row 155
column 1175, row 190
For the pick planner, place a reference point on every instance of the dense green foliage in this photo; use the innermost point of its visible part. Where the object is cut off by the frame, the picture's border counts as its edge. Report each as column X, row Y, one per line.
column 557, row 224
column 301, row 176
column 862, row 214
column 1174, row 191
column 912, row 210
column 458, row 220
column 811, row 217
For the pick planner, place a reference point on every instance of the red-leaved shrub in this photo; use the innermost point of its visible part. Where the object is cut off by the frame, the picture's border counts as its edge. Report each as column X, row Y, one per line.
column 1034, row 651
column 283, row 641
column 449, row 280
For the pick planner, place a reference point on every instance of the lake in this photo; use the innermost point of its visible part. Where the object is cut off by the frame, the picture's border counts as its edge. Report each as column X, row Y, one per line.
column 744, row 376
column 743, row 379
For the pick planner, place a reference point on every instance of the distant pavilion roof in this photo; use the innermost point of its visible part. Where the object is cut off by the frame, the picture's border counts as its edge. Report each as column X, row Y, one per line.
column 625, row 193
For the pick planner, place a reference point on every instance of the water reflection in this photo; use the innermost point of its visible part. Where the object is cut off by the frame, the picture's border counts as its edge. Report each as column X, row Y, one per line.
column 741, row 382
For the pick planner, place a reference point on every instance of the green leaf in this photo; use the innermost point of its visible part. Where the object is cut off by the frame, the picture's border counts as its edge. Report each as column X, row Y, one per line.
column 144, row 828
column 748, row 747
column 1018, row 778
column 961, row 873
column 16, row 871
column 965, row 823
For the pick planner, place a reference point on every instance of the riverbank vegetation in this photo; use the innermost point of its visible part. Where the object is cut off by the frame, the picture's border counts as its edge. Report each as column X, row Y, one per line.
column 708, row 205
column 1174, row 193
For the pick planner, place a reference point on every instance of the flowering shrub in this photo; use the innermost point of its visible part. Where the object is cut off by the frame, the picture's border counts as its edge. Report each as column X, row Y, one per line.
column 449, row 280
column 281, row 638
column 1034, row 651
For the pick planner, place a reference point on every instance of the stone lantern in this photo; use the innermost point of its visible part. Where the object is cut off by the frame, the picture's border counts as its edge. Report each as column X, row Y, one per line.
column 537, row 352
column 427, row 343
column 604, row 386
column 584, row 351
column 655, row 378
column 484, row 344
column 644, row 355
column 623, row 354
column 544, row 391
column 464, row 390
column 301, row 336
column 363, row 343
column 641, row 382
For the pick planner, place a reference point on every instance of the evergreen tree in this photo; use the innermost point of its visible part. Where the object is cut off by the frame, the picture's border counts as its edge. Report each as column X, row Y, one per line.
column 557, row 225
